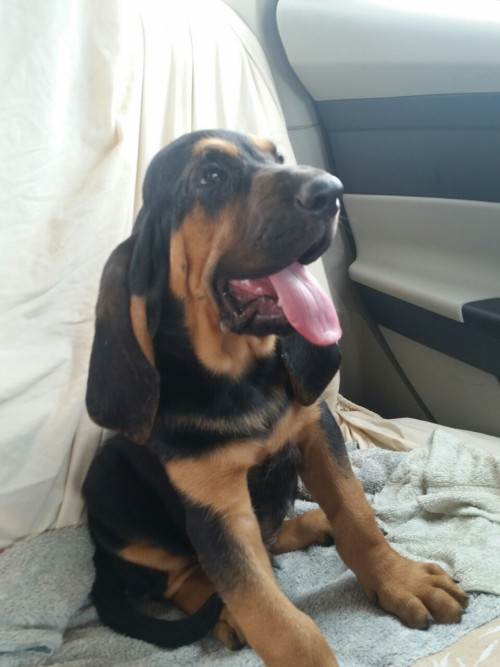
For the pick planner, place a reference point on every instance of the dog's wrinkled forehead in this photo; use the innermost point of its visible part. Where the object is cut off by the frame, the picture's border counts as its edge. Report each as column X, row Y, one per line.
column 209, row 168
column 237, row 145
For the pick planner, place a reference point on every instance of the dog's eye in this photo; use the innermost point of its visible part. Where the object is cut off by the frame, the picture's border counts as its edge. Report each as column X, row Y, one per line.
column 211, row 176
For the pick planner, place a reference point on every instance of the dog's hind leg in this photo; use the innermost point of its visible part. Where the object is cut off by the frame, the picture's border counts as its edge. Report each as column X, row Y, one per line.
column 192, row 592
column 300, row 532
column 188, row 587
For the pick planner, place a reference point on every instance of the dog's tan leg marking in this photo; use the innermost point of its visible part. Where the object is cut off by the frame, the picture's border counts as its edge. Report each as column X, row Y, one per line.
column 194, row 591
column 188, row 586
column 300, row 532
column 178, row 568
column 414, row 592
column 149, row 555
column 272, row 625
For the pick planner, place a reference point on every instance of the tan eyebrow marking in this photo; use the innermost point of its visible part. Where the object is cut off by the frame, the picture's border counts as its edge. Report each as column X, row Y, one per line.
column 264, row 145
column 217, row 143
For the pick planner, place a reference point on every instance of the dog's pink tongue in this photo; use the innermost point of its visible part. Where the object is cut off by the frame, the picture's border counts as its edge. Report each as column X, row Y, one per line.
column 306, row 306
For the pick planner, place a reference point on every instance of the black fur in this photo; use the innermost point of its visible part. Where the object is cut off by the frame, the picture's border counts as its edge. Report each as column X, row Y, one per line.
column 178, row 408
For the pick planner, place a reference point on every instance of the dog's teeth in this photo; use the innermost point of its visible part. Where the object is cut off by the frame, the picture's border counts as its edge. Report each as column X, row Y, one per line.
column 223, row 327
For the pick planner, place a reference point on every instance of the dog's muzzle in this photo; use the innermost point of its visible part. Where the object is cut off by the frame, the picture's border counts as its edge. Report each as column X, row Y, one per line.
column 267, row 289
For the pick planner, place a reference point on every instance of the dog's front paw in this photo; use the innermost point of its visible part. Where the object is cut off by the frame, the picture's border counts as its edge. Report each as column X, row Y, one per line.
column 417, row 593
column 228, row 631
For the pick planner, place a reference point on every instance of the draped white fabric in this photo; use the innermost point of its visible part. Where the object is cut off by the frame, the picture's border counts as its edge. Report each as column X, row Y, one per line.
column 90, row 91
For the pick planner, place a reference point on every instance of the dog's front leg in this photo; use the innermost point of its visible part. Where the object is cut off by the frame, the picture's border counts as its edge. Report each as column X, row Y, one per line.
column 226, row 535
column 415, row 592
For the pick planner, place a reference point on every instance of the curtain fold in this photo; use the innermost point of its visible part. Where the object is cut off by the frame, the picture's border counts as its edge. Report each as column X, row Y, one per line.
column 91, row 91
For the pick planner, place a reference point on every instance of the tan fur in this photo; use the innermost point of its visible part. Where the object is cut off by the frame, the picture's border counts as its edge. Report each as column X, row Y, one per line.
column 402, row 587
column 195, row 249
column 139, row 321
column 245, row 423
column 194, row 591
column 219, row 481
column 264, row 145
column 300, row 532
column 228, row 631
column 178, row 568
column 216, row 143
column 227, row 466
column 341, row 496
column 280, row 633
column 188, row 586
column 256, row 609
column 150, row 555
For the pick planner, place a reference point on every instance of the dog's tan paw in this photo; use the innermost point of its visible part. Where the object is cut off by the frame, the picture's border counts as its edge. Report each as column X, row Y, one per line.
column 227, row 631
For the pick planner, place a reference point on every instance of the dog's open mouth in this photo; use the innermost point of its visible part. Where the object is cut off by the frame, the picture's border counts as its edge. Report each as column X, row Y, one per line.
column 272, row 304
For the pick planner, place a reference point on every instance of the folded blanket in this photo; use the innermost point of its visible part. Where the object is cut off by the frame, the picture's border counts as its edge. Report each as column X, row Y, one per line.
column 46, row 617
column 443, row 504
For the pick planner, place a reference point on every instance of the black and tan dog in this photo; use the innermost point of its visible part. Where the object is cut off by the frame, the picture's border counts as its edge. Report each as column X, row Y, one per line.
column 212, row 347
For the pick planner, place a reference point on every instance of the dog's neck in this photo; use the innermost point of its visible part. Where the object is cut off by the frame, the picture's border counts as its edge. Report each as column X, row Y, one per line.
column 232, row 354
column 222, row 352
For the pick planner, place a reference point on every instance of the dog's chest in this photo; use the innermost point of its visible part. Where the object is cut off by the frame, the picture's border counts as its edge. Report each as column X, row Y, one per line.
column 204, row 412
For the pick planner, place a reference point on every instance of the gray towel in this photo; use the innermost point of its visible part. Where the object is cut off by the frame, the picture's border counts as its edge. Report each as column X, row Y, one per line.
column 44, row 582
column 46, row 619
column 443, row 504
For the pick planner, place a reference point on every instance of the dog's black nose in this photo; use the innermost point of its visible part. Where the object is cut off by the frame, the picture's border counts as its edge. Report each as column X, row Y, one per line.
column 320, row 194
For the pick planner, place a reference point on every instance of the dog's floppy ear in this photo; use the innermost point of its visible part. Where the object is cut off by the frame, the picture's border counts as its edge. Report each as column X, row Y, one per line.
column 123, row 385
column 310, row 367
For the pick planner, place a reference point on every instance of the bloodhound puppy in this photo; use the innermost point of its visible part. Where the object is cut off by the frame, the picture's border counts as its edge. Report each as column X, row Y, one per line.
column 212, row 347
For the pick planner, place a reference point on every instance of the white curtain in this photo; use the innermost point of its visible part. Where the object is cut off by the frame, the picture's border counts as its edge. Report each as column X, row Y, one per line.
column 90, row 91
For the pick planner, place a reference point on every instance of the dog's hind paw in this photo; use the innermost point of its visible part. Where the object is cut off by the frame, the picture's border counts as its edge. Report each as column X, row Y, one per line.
column 227, row 631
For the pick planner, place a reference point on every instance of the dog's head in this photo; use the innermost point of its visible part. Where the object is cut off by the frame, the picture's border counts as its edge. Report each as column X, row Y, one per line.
column 216, row 258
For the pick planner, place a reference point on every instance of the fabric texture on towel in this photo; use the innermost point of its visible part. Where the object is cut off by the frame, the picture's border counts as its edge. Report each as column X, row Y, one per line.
column 443, row 504
column 44, row 582
column 46, row 617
